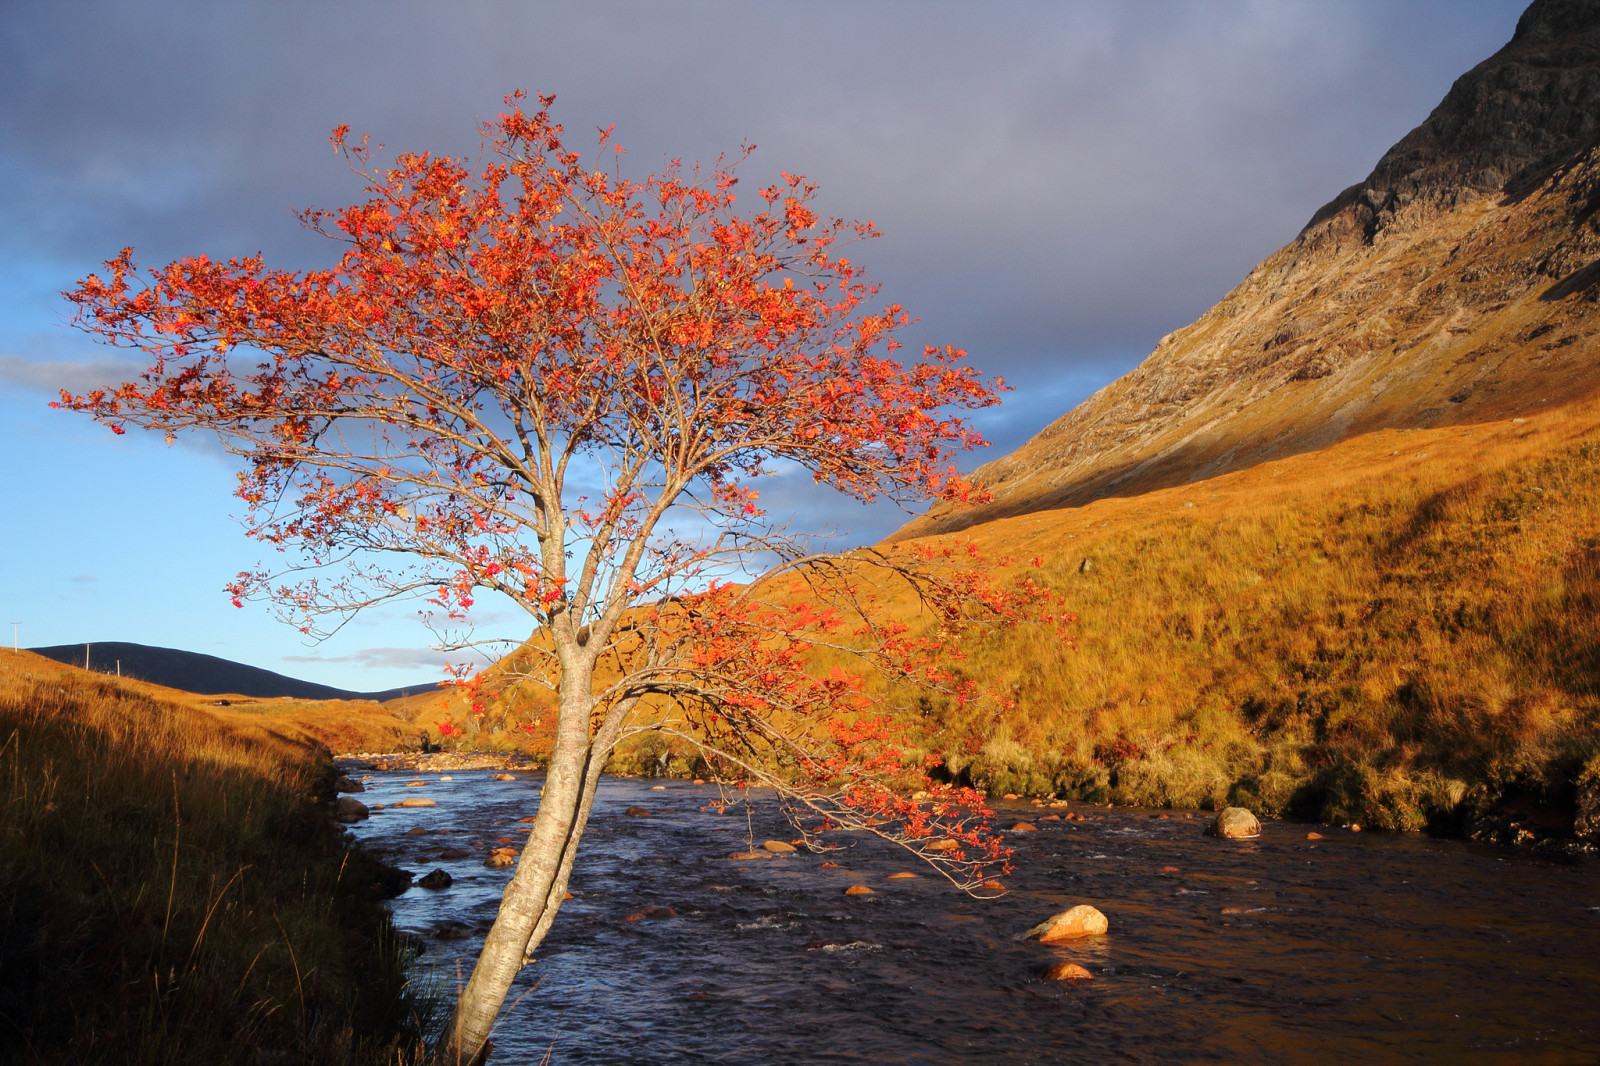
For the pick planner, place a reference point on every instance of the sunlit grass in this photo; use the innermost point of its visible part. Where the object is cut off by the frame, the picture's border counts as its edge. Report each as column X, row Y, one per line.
column 171, row 889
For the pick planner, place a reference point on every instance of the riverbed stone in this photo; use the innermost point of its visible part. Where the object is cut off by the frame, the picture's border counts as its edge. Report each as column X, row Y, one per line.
column 944, row 844
column 436, row 880
column 651, row 912
column 901, row 876
column 778, row 847
column 858, row 890
column 1024, row 827
column 346, row 784
column 499, row 858
column 637, row 812
column 1080, row 921
column 751, row 855
column 1234, row 823
column 348, row 809
column 1067, row 971
column 417, row 801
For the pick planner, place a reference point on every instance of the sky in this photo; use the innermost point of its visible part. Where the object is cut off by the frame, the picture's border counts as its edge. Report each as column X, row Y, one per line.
column 1059, row 184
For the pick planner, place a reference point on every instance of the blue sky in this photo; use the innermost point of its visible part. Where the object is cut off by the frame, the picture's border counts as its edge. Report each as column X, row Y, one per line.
column 1060, row 184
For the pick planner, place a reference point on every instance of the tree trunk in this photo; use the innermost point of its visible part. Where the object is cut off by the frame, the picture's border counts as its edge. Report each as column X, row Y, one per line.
column 533, row 895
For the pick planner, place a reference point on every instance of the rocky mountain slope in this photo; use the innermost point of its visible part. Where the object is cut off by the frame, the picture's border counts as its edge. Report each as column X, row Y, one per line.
column 1459, row 283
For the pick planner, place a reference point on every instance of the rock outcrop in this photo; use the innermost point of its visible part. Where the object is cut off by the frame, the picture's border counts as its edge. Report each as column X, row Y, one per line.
column 1459, row 282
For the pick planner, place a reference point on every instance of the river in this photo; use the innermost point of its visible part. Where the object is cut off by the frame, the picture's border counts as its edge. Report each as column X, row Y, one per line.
column 1360, row 947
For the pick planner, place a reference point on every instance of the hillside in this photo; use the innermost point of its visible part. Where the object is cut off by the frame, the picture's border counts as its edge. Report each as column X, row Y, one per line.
column 190, row 671
column 1458, row 284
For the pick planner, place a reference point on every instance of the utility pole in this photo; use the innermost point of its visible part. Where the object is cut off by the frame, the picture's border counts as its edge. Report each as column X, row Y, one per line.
column 119, row 667
column 86, row 656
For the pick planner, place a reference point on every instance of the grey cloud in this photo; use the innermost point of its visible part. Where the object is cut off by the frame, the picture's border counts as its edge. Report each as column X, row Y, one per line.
column 51, row 377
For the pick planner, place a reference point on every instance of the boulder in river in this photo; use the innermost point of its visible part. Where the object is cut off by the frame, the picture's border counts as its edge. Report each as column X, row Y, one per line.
column 901, row 876
column 637, row 812
column 1024, row 827
column 348, row 809
column 346, row 784
column 1067, row 971
column 500, row 857
column 778, row 847
column 944, row 844
column 417, row 801
column 436, row 880
column 858, row 890
column 1082, row 920
column 751, row 855
column 1234, row 823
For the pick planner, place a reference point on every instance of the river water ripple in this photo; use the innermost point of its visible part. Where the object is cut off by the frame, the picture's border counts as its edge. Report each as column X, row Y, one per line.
column 1361, row 947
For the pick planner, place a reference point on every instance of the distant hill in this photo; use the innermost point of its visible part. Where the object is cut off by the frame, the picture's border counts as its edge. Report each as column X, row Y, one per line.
column 190, row 671
column 1458, row 284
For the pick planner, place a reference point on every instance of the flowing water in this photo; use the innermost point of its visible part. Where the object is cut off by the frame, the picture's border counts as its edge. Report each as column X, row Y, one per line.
column 1361, row 947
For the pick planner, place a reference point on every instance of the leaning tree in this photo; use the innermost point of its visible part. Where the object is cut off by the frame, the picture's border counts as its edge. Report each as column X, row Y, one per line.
column 542, row 381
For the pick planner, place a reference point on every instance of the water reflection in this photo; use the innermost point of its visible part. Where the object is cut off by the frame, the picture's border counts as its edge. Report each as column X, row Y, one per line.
column 1360, row 947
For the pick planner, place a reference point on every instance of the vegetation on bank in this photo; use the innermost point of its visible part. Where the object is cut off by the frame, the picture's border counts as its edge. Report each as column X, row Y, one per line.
column 172, row 890
column 1399, row 631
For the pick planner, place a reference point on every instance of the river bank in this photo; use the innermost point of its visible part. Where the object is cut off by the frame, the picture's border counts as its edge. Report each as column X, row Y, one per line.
column 172, row 889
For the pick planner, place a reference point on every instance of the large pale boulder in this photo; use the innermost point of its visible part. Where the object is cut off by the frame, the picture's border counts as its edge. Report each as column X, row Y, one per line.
column 1082, row 920
column 1234, row 823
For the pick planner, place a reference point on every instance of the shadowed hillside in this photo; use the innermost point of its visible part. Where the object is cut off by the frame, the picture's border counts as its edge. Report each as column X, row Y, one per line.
column 191, row 671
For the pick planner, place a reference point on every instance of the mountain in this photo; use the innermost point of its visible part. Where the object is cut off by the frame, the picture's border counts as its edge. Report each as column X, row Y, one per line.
column 190, row 671
column 1459, row 283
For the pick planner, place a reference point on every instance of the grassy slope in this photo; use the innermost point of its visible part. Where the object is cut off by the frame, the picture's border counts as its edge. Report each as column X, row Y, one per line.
column 171, row 890
column 1398, row 630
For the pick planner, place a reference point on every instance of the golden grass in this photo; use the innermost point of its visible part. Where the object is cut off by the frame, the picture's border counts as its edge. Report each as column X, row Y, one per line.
column 171, row 889
column 1399, row 630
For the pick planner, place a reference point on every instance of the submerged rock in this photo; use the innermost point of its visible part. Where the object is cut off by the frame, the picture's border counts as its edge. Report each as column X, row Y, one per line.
column 1024, row 827
column 858, row 890
column 436, row 880
column 1234, row 823
column 1082, row 920
column 1067, row 971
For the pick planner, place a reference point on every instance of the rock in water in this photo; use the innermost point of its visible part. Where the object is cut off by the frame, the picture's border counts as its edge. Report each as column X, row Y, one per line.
column 858, row 890
column 1234, row 823
column 778, row 847
column 945, row 844
column 1024, row 827
column 348, row 809
column 346, row 784
column 1067, row 971
column 637, row 812
column 436, row 880
column 1082, row 920
column 416, row 802
column 500, row 857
